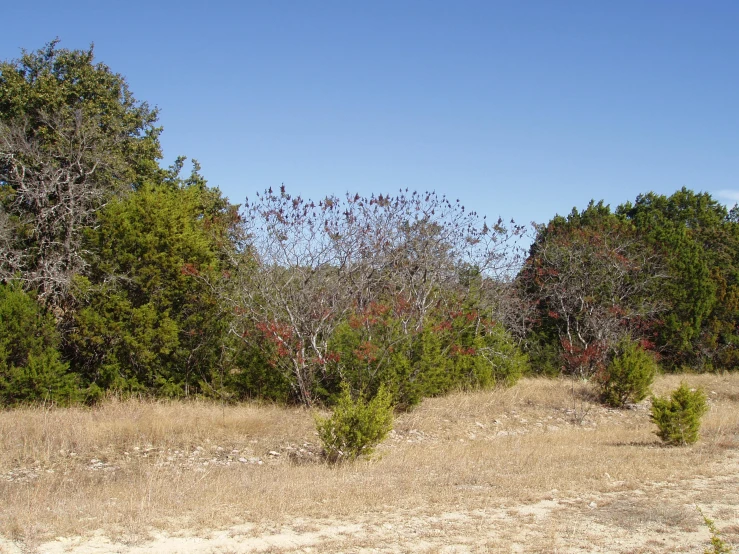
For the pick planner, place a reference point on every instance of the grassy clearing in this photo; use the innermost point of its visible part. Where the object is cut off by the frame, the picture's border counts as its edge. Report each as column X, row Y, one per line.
column 130, row 469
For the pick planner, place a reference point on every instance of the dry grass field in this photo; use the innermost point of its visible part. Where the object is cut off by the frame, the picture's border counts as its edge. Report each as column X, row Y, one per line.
column 539, row 467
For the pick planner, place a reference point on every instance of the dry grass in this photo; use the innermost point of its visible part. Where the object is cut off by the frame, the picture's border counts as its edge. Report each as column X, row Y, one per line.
column 530, row 462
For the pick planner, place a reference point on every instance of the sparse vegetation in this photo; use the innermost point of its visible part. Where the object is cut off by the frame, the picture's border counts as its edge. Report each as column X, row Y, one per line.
column 718, row 545
column 471, row 468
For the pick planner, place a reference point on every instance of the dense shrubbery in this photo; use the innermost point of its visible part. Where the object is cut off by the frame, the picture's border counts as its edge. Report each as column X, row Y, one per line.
column 460, row 351
column 664, row 270
column 148, row 316
column 120, row 275
column 31, row 368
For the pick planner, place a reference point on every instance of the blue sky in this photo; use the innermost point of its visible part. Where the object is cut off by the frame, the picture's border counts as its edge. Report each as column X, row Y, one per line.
column 521, row 109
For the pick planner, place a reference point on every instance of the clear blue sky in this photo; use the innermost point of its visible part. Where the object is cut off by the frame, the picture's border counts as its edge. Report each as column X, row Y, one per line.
column 519, row 108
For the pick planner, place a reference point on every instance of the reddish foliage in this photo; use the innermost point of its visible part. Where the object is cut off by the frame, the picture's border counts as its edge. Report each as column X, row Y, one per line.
column 442, row 326
column 367, row 352
column 279, row 334
column 189, row 269
column 588, row 359
column 456, row 350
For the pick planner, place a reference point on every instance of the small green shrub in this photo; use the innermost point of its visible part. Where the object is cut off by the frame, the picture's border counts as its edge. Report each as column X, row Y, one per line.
column 679, row 417
column 718, row 545
column 629, row 375
column 31, row 367
column 356, row 425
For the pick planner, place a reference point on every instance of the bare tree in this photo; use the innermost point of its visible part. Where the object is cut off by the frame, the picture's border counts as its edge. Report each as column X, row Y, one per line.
column 593, row 284
column 508, row 304
column 53, row 179
column 317, row 262
column 7, row 253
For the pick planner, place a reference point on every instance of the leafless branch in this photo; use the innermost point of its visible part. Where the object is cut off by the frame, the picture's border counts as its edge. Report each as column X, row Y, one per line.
column 317, row 262
column 53, row 178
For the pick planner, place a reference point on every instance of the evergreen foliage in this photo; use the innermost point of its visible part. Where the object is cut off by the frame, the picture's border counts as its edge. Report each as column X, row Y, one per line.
column 699, row 243
column 679, row 417
column 459, row 351
column 56, row 80
column 662, row 269
column 149, row 317
column 629, row 375
column 485, row 355
column 356, row 425
column 72, row 136
column 252, row 375
column 31, row 368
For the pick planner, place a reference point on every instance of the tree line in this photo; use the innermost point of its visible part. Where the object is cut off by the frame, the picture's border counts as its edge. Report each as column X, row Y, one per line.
column 120, row 276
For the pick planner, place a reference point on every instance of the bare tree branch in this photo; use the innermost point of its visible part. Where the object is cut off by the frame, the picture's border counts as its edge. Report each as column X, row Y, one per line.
column 53, row 178
column 594, row 284
column 317, row 262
